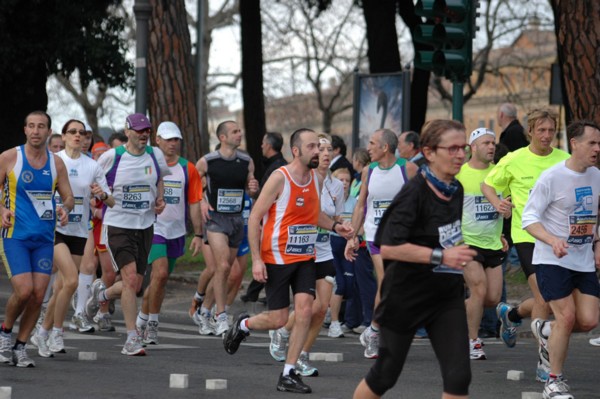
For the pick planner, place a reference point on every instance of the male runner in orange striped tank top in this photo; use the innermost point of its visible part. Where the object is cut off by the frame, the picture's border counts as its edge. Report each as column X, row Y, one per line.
column 284, row 257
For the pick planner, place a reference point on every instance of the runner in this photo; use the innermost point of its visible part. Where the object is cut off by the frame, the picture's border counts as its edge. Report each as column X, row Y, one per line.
column 561, row 213
column 284, row 256
column 482, row 231
column 135, row 173
column 30, row 174
column 420, row 237
column 382, row 180
column 183, row 193
column 228, row 173
column 517, row 172
column 87, row 181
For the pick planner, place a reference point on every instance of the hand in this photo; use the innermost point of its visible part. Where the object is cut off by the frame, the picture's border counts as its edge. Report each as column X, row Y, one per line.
column 559, row 247
column 505, row 207
column 159, row 205
column 7, row 217
column 252, row 186
column 458, row 257
column 504, row 243
column 350, row 252
column 259, row 271
column 344, row 229
column 96, row 190
column 205, row 208
column 196, row 245
column 63, row 215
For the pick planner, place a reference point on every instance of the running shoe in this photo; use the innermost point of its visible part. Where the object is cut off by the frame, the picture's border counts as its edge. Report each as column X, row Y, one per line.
column 278, row 346
column 151, row 334
column 93, row 304
column 508, row 329
column 194, row 307
column 5, row 348
column 557, row 388
column 221, row 324
column 196, row 318
column 335, row 330
column 370, row 340
column 595, row 341
column 104, row 323
column 81, row 323
column 39, row 321
column 360, row 329
column 133, row 347
column 205, row 325
column 542, row 372
column 235, row 335
column 74, row 298
column 304, row 368
column 56, row 343
column 20, row 358
column 476, row 349
column 537, row 325
column 40, row 342
column 292, row 383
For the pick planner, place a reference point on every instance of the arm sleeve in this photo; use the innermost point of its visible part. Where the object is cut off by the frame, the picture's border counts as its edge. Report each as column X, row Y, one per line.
column 194, row 185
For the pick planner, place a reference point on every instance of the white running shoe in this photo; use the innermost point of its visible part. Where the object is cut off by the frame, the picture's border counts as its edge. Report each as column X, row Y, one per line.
column 595, row 341
column 56, row 343
column 5, row 348
column 133, row 347
column 557, row 388
column 205, row 325
column 370, row 340
column 41, row 343
column 476, row 349
column 278, row 346
column 335, row 330
column 221, row 325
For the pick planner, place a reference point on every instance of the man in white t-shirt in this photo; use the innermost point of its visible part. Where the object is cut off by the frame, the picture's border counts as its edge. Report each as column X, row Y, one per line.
column 135, row 174
column 561, row 214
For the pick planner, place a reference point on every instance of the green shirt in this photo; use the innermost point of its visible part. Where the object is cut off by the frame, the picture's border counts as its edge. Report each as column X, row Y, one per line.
column 481, row 223
column 518, row 171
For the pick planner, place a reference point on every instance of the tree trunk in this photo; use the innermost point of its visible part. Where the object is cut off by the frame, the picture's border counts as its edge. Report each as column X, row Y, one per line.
column 382, row 39
column 252, row 79
column 172, row 90
column 578, row 44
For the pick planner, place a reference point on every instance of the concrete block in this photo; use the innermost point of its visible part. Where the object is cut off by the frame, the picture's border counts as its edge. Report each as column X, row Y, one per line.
column 334, row 357
column 515, row 375
column 178, row 381
column 317, row 356
column 88, row 356
column 531, row 395
column 216, row 384
column 5, row 392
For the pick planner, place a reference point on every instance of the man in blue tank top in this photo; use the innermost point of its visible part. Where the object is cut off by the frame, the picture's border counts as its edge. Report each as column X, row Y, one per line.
column 29, row 175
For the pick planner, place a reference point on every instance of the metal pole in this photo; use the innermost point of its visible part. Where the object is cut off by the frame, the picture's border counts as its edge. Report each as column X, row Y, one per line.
column 142, row 10
column 457, row 100
column 199, row 56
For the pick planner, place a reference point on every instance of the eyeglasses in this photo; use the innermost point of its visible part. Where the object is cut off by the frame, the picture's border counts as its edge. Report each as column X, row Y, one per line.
column 453, row 150
column 148, row 130
column 75, row 131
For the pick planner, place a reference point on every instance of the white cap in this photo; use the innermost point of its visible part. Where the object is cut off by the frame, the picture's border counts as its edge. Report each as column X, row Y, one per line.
column 477, row 133
column 168, row 130
column 88, row 128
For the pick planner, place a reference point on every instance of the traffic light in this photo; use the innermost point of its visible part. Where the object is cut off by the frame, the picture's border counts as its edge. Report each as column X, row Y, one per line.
column 449, row 29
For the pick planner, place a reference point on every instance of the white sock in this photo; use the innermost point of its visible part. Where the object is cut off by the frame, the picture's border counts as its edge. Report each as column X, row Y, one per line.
column 57, row 330
column 153, row 317
column 83, row 291
column 205, row 311
column 132, row 334
column 287, row 368
column 244, row 325
column 43, row 332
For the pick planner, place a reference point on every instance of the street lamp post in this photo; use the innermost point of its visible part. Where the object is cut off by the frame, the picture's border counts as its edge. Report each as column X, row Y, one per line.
column 142, row 10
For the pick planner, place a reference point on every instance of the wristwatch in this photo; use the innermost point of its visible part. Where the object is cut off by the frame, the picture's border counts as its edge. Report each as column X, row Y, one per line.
column 436, row 256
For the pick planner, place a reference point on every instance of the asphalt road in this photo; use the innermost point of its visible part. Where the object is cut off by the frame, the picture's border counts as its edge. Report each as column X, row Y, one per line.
column 252, row 373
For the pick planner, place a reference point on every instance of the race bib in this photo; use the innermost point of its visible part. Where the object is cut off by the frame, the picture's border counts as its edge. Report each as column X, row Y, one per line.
column 379, row 207
column 42, row 203
column 173, row 190
column 581, row 229
column 484, row 210
column 77, row 213
column 346, row 217
column 301, row 239
column 229, row 200
column 450, row 236
column 136, row 197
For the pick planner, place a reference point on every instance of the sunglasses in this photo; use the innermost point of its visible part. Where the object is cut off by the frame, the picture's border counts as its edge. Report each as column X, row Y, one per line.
column 75, row 131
